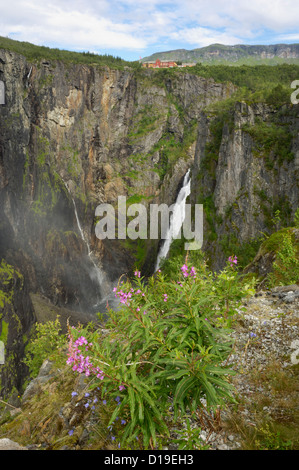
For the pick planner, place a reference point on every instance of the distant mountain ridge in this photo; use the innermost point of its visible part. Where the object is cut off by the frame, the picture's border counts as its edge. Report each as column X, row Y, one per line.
column 238, row 54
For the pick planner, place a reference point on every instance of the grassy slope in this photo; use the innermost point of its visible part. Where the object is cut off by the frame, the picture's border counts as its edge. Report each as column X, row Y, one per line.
column 37, row 53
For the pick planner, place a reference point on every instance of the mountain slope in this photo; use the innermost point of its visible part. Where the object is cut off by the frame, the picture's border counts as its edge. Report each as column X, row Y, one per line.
column 237, row 55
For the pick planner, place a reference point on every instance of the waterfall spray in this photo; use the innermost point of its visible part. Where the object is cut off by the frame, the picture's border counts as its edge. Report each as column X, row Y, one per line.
column 96, row 274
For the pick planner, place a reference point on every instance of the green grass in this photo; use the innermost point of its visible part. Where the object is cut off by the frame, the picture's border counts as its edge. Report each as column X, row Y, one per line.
column 275, row 431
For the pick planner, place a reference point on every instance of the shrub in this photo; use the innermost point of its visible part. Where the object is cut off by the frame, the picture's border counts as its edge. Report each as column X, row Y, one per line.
column 166, row 346
column 286, row 265
column 46, row 344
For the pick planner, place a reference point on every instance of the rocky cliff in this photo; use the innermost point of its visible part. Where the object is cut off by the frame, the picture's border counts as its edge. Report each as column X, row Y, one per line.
column 246, row 176
column 72, row 137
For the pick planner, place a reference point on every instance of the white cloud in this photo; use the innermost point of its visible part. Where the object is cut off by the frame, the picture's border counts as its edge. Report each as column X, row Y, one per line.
column 135, row 25
column 80, row 29
column 277, row 15
column 289, row 37
column 200, row 37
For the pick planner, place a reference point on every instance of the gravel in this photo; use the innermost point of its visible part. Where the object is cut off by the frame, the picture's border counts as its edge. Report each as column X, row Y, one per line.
column 266, row 331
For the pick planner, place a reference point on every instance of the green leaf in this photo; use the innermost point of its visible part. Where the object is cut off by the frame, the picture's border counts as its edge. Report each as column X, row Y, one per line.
column 140, row 408
column 151, row 426
column 183, row 387
column 211, row 394
column 185, row 334
column 171, row 374
column 132, row 401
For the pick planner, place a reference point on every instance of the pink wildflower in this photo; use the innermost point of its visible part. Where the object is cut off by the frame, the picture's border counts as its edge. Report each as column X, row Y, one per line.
column 192, row 272
column 232, row 260
column 184, row 268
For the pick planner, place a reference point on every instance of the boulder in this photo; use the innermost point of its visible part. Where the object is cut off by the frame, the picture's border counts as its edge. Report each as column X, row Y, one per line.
column 7, row 444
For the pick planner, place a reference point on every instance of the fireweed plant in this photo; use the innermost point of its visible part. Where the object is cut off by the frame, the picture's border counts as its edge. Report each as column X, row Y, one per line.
column 166, row 346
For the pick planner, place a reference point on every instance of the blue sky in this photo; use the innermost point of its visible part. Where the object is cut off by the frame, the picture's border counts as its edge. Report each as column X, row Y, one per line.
column 137, row 28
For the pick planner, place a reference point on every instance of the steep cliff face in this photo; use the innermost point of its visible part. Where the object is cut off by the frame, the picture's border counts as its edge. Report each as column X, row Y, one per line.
column 16, row 318
column 246, row 168
column 75, row 136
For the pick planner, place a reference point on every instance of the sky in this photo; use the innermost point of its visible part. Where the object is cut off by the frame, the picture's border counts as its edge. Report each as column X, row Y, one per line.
column 133, row 29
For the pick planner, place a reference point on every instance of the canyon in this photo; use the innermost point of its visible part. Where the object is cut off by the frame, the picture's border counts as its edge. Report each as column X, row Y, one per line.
column 73, row 136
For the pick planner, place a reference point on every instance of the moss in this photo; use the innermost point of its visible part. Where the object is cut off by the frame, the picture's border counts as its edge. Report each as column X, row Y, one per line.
column 135, row 199
column 46, row 81
column 72, row 161
column 273, row 142
column 26, row 169
column 210, row 215
column 49, row 186
column 277, row 211
column 42, row 148
column 4, row 332
column 38, row 207
column 7, row 273
column 145, row 121
column 171, row 148
column 172, row 100
column 57, row 242
column 137, row 250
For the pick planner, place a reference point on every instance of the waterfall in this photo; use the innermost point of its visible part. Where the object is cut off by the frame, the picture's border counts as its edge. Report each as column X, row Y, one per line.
column 96, row 274
column 177, row 218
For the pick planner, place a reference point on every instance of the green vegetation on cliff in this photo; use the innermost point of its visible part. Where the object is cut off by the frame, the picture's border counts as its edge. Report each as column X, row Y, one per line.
column 7, row 273
column 273, row 141
column 258, row 77
column 277, row 260
column 38, row 53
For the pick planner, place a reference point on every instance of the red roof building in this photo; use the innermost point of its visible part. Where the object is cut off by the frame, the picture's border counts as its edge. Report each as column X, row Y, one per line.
column 159, row 64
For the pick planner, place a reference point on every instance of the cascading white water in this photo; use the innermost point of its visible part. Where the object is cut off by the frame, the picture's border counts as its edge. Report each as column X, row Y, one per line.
column 176, row 220
column 96, row 274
